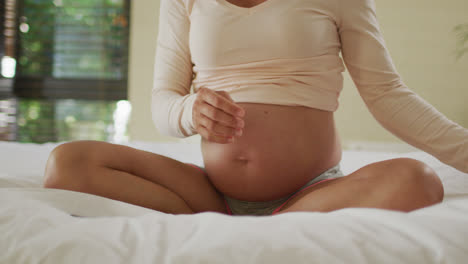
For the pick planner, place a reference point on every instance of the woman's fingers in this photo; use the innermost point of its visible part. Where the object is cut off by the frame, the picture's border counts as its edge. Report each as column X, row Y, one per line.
column 221, row 116
column 206, row 134
column 219, row 128
column 225, row 95
column 221, row 102
column 217, row 117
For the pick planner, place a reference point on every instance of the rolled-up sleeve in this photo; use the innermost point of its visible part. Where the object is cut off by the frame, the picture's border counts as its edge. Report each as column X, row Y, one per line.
column 391, row 102
column 172, row 102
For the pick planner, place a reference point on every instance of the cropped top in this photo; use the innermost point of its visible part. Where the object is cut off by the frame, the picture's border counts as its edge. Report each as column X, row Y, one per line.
column 288, row 53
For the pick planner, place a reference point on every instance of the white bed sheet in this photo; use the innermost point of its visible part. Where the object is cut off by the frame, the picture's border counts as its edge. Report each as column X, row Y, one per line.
column 37, row 226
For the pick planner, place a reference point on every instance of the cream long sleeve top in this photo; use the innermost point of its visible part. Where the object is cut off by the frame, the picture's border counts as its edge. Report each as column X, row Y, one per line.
column 287, row 53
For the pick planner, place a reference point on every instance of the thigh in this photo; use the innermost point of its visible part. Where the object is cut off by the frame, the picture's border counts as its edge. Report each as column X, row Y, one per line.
column 187, row 181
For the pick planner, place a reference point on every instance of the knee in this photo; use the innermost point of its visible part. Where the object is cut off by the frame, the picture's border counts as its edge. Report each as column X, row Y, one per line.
column 62, row 164
column 421, row 178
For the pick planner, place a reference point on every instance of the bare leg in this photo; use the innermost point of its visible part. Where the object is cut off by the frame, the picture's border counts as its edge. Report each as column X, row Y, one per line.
column 397, row 184
column 133, row 176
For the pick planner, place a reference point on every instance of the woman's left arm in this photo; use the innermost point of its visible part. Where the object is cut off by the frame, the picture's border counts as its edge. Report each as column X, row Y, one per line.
column 394, row 106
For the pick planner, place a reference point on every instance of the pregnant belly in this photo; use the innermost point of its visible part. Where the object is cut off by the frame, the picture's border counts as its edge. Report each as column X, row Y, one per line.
column 281, row 149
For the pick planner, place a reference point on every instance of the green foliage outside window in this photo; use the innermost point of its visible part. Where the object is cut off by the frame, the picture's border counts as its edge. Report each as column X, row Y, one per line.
column 35, row 59
column 42, row 121
column 69, row 40
column 73, row 39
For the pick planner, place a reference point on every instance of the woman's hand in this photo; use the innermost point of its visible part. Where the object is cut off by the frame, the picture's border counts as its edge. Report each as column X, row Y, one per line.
column 216, row 117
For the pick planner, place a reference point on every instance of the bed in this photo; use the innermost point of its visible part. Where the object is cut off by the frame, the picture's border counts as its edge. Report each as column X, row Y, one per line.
column 40, row 225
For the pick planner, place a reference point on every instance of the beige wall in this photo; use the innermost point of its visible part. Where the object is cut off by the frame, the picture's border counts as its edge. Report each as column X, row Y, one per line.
column 143, row 33
column 418, row 35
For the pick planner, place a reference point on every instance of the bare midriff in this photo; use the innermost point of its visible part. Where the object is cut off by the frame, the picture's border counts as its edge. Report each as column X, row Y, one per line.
column 281, row 149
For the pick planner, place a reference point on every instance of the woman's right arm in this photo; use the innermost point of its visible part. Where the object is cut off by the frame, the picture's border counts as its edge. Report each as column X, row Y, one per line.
column 175, row 111
column 172, row 103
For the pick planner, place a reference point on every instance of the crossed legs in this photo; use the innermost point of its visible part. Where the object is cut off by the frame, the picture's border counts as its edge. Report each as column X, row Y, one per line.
column 160, row 183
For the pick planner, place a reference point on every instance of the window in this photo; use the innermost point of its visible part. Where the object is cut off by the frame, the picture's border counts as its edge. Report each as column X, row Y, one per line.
column 64, row 70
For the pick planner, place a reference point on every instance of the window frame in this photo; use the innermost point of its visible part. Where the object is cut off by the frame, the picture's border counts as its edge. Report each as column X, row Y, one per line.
column 47, row 87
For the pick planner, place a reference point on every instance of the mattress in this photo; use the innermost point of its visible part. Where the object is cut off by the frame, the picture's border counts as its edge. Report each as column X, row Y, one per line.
column 40, row 225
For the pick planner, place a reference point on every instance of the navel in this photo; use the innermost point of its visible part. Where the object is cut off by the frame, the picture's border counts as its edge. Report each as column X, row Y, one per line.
column 242, row 159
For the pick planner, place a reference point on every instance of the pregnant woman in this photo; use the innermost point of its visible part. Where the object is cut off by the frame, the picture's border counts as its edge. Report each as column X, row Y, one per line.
column 266, row 76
